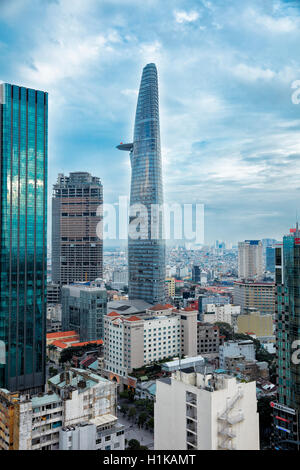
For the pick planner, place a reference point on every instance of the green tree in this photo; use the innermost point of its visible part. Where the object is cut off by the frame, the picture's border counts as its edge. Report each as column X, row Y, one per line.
column 134, row 444
column 225, row 330
column 142, row 418
column 132, row 412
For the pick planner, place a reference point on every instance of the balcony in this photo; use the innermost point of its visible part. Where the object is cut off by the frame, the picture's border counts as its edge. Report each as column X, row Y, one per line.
column 191, row 412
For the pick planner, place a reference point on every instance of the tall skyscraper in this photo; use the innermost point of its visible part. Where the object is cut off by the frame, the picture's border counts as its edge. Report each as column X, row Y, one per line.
column 77, row 251
column 146, row 255
column 250, row 259
column 287, row 318
column 23, row 227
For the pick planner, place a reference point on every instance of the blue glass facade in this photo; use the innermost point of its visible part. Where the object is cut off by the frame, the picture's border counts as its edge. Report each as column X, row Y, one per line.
column 23, row 227
column 146, row 255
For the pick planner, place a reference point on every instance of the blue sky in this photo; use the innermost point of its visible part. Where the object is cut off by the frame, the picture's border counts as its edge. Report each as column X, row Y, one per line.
column 229, row 129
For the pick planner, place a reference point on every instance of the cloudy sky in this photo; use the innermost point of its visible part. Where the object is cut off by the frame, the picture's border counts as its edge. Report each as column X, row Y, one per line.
column 230, row 130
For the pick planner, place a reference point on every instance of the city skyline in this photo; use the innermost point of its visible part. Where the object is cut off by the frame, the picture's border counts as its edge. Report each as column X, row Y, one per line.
column 230, row 128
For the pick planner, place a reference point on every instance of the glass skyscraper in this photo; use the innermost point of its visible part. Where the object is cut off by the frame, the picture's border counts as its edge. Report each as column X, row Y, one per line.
column 23, row 230
column 146, row 254
column 287, row 317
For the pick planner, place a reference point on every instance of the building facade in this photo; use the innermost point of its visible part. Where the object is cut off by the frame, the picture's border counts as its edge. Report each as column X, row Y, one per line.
column 83, row 308
column 205, row 412
column 77, row 250
column 146, row 245
column 23, row 227
column 76, row 398
column 287, row 319
column 258, row 295
column 132, row 341
column 250, row 259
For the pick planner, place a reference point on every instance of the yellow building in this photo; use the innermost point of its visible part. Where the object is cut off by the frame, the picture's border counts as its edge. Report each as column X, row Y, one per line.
column 7, row 419
column 260, row 325
column 170, row 286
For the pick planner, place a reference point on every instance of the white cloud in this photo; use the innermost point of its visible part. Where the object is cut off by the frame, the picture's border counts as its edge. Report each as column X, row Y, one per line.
column 250, row 73
column 185, row 17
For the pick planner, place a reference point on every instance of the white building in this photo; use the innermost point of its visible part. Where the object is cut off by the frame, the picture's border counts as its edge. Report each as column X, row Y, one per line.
column 221, row 313
column 234, row 349
column 194, row 411
column 76, row 398
column 250, row 259
column 133, row 341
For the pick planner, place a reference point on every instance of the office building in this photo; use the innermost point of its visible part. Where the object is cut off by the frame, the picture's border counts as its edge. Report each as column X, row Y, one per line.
column 83, row 308
column 270, row 259
column 250, row 259
column 77, row 251
column 196, row 274
column 205, row 412
column 146, row 245
column 287, row 318
column 257, row 295
column 23, row 227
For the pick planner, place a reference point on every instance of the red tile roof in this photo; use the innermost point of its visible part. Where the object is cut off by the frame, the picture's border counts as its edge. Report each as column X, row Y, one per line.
column 133, row 318
column 59, row 344
column 113, row 314
column 61, row 334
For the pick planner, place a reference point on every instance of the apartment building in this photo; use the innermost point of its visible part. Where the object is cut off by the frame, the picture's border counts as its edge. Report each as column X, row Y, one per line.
column 257, row 324
column 258, row 295
column 208, row 339
column 75, row 397
column 133, row 341
column 250, row 259
column 205, row 412
column 221, row 313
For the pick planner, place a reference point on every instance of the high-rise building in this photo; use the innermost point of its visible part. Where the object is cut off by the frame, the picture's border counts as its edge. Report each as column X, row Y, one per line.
column 146, row 254
column 270, row 259
column 250, row 259
column 287, row 319
column 77, row 251
column 216, row 411
column 196, row 274
column 23, row 231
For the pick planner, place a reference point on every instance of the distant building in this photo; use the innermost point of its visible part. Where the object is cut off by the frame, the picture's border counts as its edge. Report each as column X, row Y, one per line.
column 270, row 259
column 196, row 274
column 258, row 295
column 170, row 287
column 205, row 412
column 259, row 325
column 250, row 259
column 221, row 313
column 208, row 339
column 53, row 293
column 83, row 308
column 146, row 254
column 236, row 349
